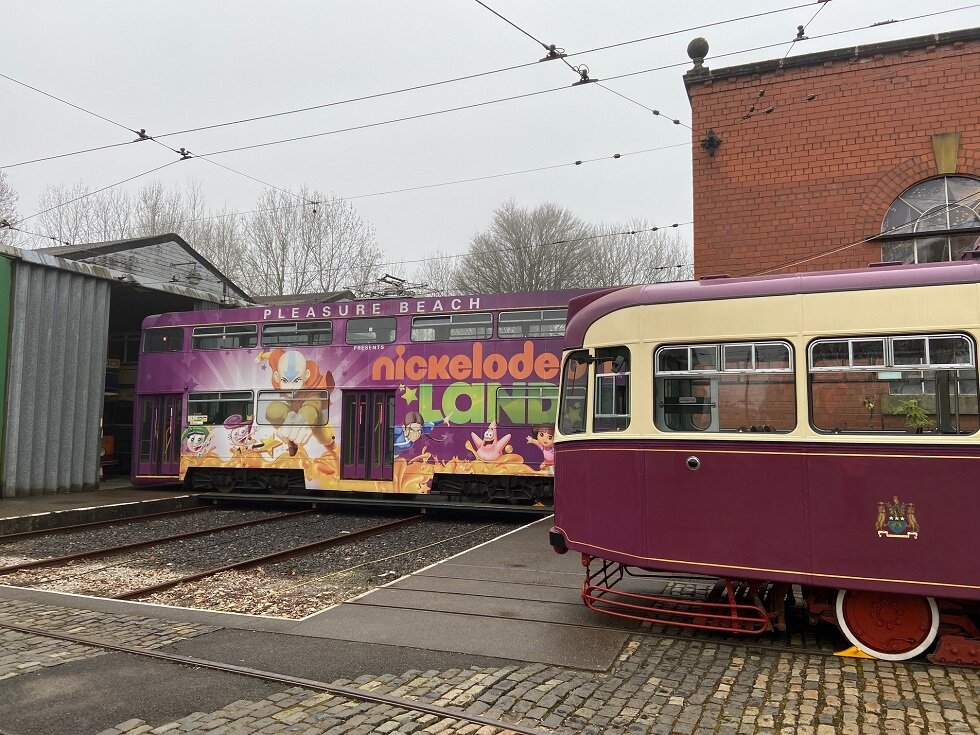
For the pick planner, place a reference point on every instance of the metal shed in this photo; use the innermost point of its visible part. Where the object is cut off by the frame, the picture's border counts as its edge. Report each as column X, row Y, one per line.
column 60, row 303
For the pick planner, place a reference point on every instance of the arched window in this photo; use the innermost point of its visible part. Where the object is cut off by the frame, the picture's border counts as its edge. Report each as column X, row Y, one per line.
column 934, row 220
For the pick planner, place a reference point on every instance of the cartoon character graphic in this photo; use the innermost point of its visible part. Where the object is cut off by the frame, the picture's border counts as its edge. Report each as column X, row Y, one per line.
column 544, row 439
column 414, row 428
column 196, row 440
column 488, row 447
column 240, row 434
column 298, row 416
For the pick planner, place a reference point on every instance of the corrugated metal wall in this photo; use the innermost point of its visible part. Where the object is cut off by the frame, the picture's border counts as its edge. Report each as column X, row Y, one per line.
column 58, row 333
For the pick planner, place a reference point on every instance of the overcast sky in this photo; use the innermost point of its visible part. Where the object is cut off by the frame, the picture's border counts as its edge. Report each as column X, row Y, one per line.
column 168, row 66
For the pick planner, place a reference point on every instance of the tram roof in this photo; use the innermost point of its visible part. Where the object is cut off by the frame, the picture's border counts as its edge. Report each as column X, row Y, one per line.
column 587, row 309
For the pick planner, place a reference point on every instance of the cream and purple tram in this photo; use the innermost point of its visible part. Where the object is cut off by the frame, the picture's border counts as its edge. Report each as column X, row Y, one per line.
column 810, row 432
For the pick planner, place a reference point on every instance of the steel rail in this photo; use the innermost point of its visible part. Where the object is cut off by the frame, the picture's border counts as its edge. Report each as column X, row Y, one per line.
column 4, row 538
column 340, row 691
column 110, row 550
column 381, row 502
column 274, row 556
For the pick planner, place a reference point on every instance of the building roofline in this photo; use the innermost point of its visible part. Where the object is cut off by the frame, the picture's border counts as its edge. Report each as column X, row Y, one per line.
column 694, row 77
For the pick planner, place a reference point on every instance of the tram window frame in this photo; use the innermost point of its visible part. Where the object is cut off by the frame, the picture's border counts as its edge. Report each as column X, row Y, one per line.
column 938, row 385
column 242, row 336
column 387, row 324
column 612, row 389
column 573, row 399
column 317, row 333
column 526, row 394
column 531, row 323
column 458, row 327
column 690, row 369
column 172, row 336
column 305, row 398
column 244, row 398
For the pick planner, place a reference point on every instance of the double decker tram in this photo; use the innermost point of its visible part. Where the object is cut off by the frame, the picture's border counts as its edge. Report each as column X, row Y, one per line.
column 450, row 397
column 811, row 434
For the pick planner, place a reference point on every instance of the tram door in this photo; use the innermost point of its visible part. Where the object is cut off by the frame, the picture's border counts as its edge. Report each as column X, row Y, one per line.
column 160, row 424
column 368, row 448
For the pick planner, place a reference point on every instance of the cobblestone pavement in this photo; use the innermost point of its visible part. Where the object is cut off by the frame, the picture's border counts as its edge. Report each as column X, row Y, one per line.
column 21, row 653
column 657, row 686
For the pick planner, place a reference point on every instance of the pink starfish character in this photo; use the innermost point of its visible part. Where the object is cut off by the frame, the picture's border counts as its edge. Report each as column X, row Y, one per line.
column 489, row 447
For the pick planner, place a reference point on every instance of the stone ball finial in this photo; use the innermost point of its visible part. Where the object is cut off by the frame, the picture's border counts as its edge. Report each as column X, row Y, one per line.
column 697, row 49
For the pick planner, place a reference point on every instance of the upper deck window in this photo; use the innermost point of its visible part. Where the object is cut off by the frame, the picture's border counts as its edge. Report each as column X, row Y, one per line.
column 163, row 339
column 531, row 323
column 737, row 386
column 225, row 336
column 279, row 334
column 450, row 327
column 934, row 220
column 372, row 331
column 896, row 383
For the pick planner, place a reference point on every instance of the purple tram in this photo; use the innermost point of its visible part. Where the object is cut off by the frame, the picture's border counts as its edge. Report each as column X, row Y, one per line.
column 811, row 434
column 452, row 397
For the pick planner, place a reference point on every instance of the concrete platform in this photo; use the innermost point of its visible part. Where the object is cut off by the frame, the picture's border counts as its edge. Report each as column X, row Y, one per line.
column 119, row 499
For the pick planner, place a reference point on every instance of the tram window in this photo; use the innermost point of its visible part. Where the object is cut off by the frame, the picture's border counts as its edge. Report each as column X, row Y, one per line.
column 529, row 405
column 934, row 374
column 166, row 339
column 225, row 337
column 612, row 389
column 294, row 408
column 275, row 334
column 531, row 323
column 738, row 387
column 574, row 393
column 378, row 330
column 449, row 327
column 216, row 408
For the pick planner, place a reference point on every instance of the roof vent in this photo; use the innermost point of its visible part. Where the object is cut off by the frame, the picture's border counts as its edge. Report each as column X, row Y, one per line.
column 715, row 277
column 885, row 263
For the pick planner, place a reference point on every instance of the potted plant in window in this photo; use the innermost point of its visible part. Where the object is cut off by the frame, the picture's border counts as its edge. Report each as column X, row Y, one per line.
column 916, row 417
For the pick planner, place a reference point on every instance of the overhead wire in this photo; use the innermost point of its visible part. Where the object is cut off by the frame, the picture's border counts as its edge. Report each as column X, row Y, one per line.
column 412, row 88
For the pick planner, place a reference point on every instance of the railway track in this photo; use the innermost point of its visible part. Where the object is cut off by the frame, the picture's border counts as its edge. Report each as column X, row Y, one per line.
column 20, row 535
column 122, row 548
column 280, row 678
column 273, row 557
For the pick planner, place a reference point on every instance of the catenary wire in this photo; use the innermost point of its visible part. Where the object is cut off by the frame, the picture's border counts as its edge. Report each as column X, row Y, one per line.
column 428, row 85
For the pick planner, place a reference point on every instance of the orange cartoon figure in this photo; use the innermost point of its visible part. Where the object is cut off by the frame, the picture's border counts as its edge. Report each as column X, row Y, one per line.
column 489, row 447
column 301, row 410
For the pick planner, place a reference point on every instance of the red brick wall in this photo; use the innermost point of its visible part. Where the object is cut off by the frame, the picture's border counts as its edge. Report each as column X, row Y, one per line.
column 811, row 176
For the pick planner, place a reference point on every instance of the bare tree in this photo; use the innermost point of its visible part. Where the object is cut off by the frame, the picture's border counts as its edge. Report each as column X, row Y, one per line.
column 438, row 272
column 526, row 250
column 8, row 210
column 157, row 211
column 632, row 252
column 307, row 242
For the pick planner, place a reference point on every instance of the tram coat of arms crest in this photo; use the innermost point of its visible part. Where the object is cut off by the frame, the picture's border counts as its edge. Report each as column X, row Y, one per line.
column 897, row 520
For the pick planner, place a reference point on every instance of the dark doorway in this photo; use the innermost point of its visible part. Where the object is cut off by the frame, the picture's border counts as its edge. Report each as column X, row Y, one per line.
column 368, row 435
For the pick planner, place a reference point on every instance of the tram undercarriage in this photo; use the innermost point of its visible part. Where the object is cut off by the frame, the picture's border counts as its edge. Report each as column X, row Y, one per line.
column 883, row 625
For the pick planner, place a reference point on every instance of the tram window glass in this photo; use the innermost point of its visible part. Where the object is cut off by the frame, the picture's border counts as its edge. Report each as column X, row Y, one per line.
column 225, row 336
column 574, row 393
column 216, row 408
column 379, row 330
column 531, row 323
column 449, row 327
column 934, row 374
column 529, row 405
column 164, row 339
column 276, row 334
column 294, row 408
column 739, row 386
column 612, row 389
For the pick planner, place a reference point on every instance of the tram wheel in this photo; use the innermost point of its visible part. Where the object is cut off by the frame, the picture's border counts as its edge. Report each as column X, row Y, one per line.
column 886, row 625
column 224, row 482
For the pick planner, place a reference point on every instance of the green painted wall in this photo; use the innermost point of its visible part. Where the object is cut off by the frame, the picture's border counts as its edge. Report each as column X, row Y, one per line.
column 6, row 267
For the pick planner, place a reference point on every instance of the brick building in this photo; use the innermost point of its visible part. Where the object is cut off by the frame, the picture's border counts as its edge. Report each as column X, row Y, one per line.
column 795, row 159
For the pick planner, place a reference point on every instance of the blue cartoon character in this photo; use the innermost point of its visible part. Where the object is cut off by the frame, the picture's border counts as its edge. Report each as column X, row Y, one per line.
column 412, row 429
